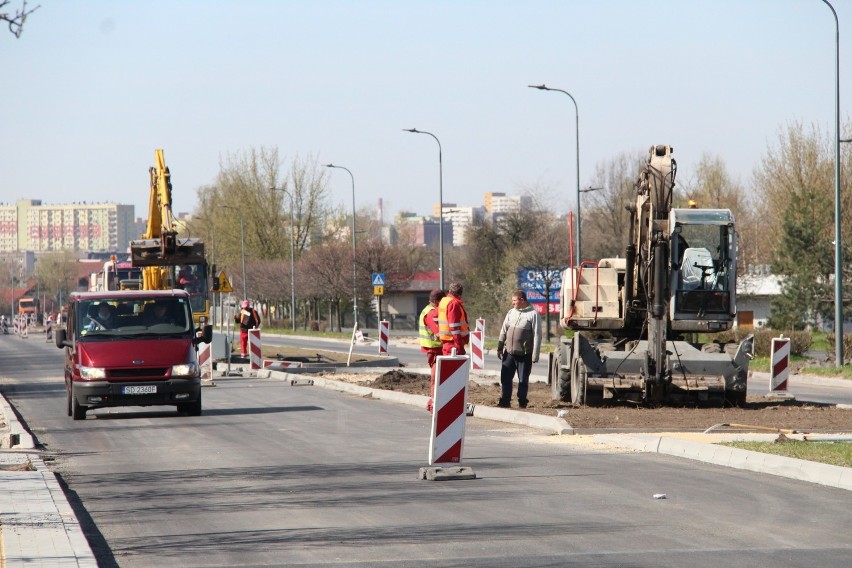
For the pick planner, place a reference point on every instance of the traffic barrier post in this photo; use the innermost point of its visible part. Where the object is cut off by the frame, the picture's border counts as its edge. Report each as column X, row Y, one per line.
column 480, row 325
column 255, row 358
column 779, row 371
column 284, row 364
column 48, row 330
column 25, row 329
column 383, row 337
column 477, row 359
column 205, row 361
column 448, row 418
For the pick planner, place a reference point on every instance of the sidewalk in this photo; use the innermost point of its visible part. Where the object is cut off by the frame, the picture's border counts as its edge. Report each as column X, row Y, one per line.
column 37, row 525
column 38, row 528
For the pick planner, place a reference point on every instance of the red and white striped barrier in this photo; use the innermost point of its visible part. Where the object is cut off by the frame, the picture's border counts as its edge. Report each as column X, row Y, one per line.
column 255, row 358
column 477, row 359
column 383, row 337
column 277, row 363
column 25, row 329
column 480, row 325
column 48, row 330
column 780, row 365
column 205, row 361
column 5, row 323
column 16, row 325
column 448, row 419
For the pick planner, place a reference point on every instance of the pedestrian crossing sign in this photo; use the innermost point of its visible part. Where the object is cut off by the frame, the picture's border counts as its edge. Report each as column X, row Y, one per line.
column 378, row 278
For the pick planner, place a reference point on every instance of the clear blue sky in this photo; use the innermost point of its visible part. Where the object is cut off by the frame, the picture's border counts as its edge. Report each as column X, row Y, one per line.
column 93, row 87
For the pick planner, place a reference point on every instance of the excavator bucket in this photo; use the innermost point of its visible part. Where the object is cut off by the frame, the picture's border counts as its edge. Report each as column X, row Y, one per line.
column 168, row 251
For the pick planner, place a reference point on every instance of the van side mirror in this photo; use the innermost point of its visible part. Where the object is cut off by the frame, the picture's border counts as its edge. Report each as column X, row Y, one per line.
column 60, row 338
column 205, row 336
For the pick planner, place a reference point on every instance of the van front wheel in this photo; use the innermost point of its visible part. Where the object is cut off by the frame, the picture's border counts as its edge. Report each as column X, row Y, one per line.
column 191, row 408
column 78, row 411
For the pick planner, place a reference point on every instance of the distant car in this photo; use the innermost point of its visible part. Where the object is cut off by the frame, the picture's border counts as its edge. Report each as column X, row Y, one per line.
column 131, row 348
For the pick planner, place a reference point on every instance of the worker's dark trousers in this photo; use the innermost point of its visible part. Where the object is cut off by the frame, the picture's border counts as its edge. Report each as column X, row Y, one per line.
column 522, row 364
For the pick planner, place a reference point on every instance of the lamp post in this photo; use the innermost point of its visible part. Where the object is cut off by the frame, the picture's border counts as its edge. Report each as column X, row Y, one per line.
column 544, row 87
column 440, row 204
column 838, row 274
column 242, row 246
column 354, row 278
column 292, row 259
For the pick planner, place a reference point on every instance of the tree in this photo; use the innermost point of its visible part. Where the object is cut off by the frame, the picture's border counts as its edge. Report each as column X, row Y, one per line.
column 55, row 273
column 547, row 252
column 796, row 183
column 16, row 21
column 804, row 298
column 244, row 187
column 605, row 217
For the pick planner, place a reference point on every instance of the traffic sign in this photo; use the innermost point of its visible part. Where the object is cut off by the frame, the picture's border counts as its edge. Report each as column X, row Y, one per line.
column 378, row 290
column 378, row 278
column 224, row 284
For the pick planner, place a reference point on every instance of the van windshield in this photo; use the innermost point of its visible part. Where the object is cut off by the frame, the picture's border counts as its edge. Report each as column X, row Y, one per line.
column 133, row 316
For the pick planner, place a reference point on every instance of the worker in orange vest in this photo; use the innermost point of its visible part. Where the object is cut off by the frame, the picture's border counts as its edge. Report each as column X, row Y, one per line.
column 453, row 329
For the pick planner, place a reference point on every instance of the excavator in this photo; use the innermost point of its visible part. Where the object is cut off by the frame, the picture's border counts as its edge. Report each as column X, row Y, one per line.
column 644, row 323
column 169, row 261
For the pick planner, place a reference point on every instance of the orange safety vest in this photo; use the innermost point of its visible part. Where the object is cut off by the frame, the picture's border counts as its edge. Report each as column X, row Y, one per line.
column 447, row 329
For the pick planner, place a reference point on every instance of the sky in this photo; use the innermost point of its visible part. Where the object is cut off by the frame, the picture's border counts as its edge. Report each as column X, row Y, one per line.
column 92, row 88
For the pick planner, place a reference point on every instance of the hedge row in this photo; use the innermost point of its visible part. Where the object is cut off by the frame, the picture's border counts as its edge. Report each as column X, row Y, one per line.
column 800, row 341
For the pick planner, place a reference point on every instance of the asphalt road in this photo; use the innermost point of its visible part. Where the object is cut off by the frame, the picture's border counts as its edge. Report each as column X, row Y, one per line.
column 274, row 474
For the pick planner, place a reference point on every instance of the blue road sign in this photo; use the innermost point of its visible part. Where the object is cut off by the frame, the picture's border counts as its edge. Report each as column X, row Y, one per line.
column 378, row 278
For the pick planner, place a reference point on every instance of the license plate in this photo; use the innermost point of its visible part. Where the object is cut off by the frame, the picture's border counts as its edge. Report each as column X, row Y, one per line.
column 141, row 389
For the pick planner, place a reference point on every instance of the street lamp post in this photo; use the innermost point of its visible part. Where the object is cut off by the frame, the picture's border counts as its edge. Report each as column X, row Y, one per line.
column 440, row 204
column 543, row 87
column 838, row 274
column 292, row 259
column 354, row 276
column 242, row 246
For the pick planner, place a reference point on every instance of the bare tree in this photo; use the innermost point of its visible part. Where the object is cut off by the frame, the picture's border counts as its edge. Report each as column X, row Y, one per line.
column 16, row 21
column 605, row 217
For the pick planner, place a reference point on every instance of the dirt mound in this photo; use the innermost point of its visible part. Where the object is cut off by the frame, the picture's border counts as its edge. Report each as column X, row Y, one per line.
column 758, row 412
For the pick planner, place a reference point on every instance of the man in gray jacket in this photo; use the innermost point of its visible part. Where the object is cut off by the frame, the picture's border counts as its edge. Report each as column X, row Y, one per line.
column 518, row 347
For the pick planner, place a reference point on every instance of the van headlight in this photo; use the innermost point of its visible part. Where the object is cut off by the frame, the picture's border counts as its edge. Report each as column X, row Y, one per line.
column 89, row 373
column 185, row 370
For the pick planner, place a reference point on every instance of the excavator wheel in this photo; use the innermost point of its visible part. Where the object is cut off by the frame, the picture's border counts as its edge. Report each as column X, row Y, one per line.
column 560, row 377
column 578, row 382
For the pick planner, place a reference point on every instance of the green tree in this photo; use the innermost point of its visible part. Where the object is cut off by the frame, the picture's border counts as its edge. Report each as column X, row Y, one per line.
column 806, row 293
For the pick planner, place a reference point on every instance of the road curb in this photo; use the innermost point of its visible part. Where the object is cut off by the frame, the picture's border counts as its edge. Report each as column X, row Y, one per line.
column 713, row 453
column 16, row 436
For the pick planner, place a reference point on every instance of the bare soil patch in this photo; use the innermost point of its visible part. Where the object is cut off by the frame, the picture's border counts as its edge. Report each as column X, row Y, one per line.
column 758, row 412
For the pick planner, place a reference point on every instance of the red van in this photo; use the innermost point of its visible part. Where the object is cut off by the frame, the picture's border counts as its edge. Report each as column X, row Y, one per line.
column 131, row 348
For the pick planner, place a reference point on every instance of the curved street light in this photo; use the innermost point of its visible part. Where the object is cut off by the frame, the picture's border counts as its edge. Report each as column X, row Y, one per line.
column 292, row 259
column 440, row 204
column 838, row 273
column 544, row 87
column 354, row 278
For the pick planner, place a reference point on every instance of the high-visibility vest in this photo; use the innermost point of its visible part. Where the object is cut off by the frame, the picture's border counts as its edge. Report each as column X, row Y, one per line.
column 447, row 330
column 428, row 340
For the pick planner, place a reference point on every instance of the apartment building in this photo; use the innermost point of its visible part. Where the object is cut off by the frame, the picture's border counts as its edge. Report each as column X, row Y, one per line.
column 29, row 225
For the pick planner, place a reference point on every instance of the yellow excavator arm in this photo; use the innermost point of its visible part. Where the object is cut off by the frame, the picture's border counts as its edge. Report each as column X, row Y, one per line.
column 160, row 245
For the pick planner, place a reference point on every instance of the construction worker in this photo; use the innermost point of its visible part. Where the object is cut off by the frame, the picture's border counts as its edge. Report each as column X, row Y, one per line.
column 429, row 342
column 247, row 319
column 453, row 329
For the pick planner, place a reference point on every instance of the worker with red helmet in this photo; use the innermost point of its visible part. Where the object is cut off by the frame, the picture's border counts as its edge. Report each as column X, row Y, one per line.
column 247, row 318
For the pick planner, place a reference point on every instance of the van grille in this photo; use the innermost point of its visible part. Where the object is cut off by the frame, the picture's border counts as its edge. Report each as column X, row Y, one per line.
column 138, row 373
